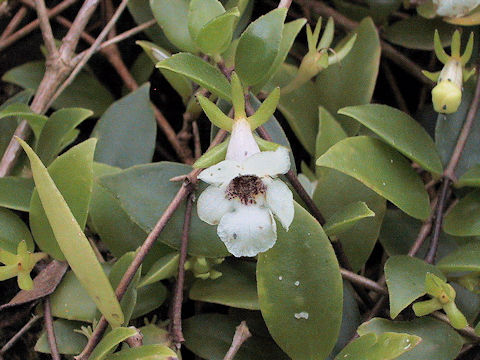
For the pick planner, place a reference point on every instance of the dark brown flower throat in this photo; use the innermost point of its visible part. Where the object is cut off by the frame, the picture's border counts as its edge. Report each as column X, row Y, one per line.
column 245, row 188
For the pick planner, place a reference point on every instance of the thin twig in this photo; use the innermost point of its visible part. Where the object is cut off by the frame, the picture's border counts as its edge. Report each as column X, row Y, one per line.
column 19, row 334
column 397, row 93
column 176, row 316
column 48, row 321
column 425, row 229
column 285, row 4
column 127, row 34
column 363, row 281
column 27, row 29
column 182, row 193
column 241, row 335
column 14, row 22
column 46, row 29
column 197, row 145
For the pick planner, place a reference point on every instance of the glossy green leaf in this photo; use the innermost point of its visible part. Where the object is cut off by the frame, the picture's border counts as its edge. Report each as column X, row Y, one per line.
column 36, row 121
column 126, row 132
column 448, row 128
column 85, row 91
column 110, row 341
column 172, row 16
column 73, row 176
column 145, row 191
column 199, row 71
column 200, row 12
column 416, row 32
column 115, row 228
column 71, row 239
column 470, row 178
column 163, row 268
column 210, row 336
column 400, row 131
column 149, row 298
column 141, row 70
column 235, row 288
column 329, row 132
column 439, row 340
column 215, row 37
column 16, row 192
column 12, row 231
column 405, row 278
column 289, row 34
column 344, row 219
column 300, row 289
column 142, row 13
column 180, row 83
column 385, row 346
column 262, row 38
column 145, row 352
column 68, row 341
column 153, row 334
column 382, row 169
column 463, row 219
column 129, row 299
column 466, row 258
column 351, row 82
column 55, row 131
column 351, row 319
column 336, row 190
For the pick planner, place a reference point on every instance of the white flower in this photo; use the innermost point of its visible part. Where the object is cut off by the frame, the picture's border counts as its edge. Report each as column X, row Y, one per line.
column 455, row 8
column 244, row 195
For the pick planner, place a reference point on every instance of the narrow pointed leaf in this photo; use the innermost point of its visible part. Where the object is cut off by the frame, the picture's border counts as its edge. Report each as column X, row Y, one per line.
column 199, row 71
column 327, row 36
column 382, row 169
column 468, row 50
column 110, row 342
column 400, row 131
column 164, row 268
column 266, row 110
column 439, row 51
column 456, row 43
column 347, row 217
column 23, row 111
column 216, row 116
column 238, row 97
column 212, row 156
column 73, row 242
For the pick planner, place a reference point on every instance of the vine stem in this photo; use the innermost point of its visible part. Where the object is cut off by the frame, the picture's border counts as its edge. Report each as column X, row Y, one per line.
column 183, row 192
column 48, row 320
column 176, row 322
column 285, row 4
column 242, row 333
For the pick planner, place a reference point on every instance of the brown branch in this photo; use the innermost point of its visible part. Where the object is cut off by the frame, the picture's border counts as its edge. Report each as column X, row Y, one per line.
column 176, row 315
column 467, row 331
column 363, row 281
column 241, row 335
column 27, row 29
column 19, row 334
column 388, row 51
column 183, row 192
column 197, row 145
column 14, row 22
column 46, row 29
column 285, row 4
column 48, row 320
column 397, row 93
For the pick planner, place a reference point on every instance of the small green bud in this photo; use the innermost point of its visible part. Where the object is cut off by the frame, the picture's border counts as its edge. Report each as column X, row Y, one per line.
column 457, row 319
column 446, row 97
column 423, row 308
column 203, row 268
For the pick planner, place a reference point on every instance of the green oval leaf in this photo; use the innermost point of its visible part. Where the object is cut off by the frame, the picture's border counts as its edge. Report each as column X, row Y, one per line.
column 210, row 336
column 351, row 82
column 382, row 169
column 36, row 121
column 215, row 37
column 12, row 231
column 126, row 132
column 16, row 192
column 145, row 352
column 68, row 341
column 400, row 131
column 55, row 131
column 405, row 278
column 71, row 239
column 163, row 268
column 200, row 71
column 344, row 219
column 145, row 191
column 439, row 340
column 262, row 38
column 235, row 288
column 463, row 219
column 172, row 16
column 300, row 289
column 73, row 177
column 85, row 91
column 466, row 258
column 470, row 178
column 385, row 346
column 149, row 298
column 110, row 341
column 200, row 12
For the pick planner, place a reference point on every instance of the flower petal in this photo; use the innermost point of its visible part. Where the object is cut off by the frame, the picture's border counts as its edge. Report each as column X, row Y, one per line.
column 212, row 205
column 280, row 202
column 267, row 163
column 221, row 173
column 248, row 231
